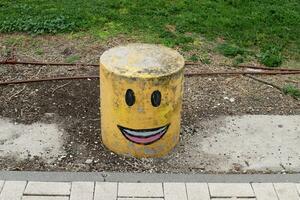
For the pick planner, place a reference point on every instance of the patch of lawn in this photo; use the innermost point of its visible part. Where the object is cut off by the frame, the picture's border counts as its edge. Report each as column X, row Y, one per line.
column 243, row 23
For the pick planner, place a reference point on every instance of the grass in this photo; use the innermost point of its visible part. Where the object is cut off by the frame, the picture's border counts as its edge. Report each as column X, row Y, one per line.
column 241, row 23
column 292, row 90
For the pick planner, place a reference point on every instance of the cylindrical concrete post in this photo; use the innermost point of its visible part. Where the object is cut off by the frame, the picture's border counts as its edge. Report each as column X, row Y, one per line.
column 141, row 88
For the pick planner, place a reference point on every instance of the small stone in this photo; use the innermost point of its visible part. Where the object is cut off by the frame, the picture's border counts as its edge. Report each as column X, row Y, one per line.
column 49, row 115
column 61, row 158
column 237, row 167
column 231, row 100
column 67, row 51
column 88, row 161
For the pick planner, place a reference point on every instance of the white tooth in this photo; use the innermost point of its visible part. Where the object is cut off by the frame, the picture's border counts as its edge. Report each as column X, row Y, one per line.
column 145, row 133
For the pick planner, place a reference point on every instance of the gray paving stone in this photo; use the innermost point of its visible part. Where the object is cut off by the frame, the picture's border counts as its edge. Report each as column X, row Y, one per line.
column 12, row 190
column 106, row 191
column 82, row 191
column 286, row 191
column 234, row 198
column 230, row 190
column 197, row 191
column 264, row 191
column 140, row 198
column 175, row 191
column 45, row 198
column 48, row 188
column 140, row 190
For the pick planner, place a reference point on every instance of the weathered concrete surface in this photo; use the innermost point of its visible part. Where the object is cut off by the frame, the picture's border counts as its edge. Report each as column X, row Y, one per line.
column 26, row 141
column 142, row 61
column 245, row 143
column 252, row 143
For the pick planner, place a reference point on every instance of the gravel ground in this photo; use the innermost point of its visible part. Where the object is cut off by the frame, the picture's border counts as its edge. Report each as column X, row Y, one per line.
column 74, row 104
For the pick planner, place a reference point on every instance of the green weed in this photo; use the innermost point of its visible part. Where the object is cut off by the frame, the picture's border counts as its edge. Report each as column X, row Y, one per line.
column 292, row 90
column 14, row 41
column 238, row 60
column 194, row 58
column 271, row 56
column 39, row 51
column 206, row 60
column 72, row 59
column 203, row 58
column 230, row 50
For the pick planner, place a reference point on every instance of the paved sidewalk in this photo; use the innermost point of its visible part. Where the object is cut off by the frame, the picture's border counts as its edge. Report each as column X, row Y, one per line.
column 28, row 190
column 81, row 186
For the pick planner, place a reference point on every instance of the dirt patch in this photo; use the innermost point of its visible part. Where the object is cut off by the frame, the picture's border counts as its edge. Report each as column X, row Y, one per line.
column 75, row 105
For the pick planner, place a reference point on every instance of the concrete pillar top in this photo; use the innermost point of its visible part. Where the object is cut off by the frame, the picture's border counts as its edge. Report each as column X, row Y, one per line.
column 142, row 60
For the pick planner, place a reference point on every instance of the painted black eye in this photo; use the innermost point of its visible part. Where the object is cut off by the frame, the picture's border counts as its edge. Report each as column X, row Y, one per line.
column 129, row 97
column 156, row 98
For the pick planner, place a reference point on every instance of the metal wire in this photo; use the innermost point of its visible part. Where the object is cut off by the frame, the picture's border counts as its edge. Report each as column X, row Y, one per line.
column 188, row 74
column 12, row 62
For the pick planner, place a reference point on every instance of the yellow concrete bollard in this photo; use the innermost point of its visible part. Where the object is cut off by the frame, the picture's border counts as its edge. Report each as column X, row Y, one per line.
column 141, row 87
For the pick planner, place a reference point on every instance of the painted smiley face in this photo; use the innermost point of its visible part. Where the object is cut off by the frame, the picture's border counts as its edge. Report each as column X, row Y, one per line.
column 143, row 136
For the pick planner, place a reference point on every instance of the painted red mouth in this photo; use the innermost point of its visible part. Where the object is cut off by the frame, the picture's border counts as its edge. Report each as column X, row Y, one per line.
column 144, row 136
